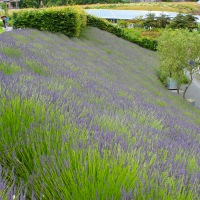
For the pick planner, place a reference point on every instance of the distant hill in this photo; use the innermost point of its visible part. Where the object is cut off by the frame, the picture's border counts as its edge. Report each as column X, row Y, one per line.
column 62, row 99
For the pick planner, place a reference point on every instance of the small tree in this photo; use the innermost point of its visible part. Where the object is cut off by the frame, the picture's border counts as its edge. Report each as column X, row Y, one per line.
column 184, row 21
column 150, row 20
column 192, row 54
column 5, row 8
column 171, row 53
column 191, row 22
column 177, row 50
column 122, row 23
column 163, row 20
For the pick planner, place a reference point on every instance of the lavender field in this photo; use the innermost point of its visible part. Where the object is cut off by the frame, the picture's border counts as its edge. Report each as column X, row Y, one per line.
column 87, row 119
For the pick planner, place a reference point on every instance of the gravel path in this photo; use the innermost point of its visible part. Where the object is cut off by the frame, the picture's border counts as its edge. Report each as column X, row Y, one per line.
column 8, row 28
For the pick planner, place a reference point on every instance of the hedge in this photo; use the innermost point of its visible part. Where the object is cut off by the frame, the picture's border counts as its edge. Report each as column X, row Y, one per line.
column 69, row 20
column 106, row 26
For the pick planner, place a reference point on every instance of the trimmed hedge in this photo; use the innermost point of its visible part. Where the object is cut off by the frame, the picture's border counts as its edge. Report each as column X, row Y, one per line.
column 69, row 20
column 106, row 26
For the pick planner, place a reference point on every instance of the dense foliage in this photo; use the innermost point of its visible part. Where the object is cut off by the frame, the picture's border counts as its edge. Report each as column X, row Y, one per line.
column 179, row 52
column 180, row 21
column 125, row 34
column 4, row 9
column 86, row 118
column 69, row 20
column 157, row 22
column 184, row 22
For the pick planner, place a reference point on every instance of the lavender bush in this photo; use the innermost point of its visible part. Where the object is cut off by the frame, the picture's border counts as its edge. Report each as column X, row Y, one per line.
column 86, row 118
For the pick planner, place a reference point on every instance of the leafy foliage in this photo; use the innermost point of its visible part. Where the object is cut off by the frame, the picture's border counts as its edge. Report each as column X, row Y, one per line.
column 150, row 20
column 105, row 25
column 176, row 48
column 69, row 21
column 184, row 21
column 163, row 20
column 5, row 8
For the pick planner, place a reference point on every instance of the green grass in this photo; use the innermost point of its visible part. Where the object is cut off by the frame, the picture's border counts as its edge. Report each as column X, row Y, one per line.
column 1, row 30
column 88, row 173
column 183, row 7
column 37, row 68
column 10, row 52
column 9, row 68
column 93, row 125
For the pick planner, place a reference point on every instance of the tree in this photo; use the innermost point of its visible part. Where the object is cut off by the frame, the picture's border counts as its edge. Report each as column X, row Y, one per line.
column 171, row 53
column 29, row 4
column 184, row 21
column 191, row 22
column 163, row 20
column 5, row 8
column 178, row 51
column 150, row 20
column 192, row 54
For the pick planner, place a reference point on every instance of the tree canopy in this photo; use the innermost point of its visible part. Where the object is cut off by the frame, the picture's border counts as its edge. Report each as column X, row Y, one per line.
column 179, row 52
column 184, row 21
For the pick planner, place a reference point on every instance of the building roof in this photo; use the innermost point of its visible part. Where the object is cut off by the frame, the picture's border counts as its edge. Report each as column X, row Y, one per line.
column 127, row 14
column 1, row 1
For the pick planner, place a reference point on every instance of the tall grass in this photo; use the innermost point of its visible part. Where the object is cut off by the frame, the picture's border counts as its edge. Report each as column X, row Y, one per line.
column 86, row 118
column 182, row 7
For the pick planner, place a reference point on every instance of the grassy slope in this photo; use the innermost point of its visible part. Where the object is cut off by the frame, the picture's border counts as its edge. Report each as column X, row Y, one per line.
column 183, row 7
column 96, row 89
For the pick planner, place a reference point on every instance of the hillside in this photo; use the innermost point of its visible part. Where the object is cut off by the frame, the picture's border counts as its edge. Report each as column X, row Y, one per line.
column 180, row 7
column 87, row 118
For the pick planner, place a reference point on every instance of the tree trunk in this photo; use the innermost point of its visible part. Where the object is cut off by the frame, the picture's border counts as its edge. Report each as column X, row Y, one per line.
column 191, row 79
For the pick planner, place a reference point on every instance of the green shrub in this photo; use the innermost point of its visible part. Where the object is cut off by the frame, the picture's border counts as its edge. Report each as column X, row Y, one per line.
column 5, row 8
column 1, row 23
column 1, row 30
column 106, row 26
column 10, row 21
column 163, row 75
column 69, row 20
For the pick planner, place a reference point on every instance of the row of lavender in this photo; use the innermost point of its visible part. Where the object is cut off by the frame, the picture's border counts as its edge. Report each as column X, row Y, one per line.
column 86, row 118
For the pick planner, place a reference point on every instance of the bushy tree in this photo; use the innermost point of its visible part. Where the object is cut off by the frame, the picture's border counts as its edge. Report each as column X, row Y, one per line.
column 184, row 21
column 150, row 20
column 157, row 22
column 178, row 51
column 29, row 3
column 163, row 20
column 5, row 8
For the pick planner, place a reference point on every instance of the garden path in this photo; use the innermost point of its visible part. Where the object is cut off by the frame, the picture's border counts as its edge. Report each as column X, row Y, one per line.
column 10, row 28
column 193, row 91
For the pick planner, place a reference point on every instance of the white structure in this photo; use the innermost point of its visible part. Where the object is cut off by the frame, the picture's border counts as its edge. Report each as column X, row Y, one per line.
column 113, row 15
column 11, row 3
